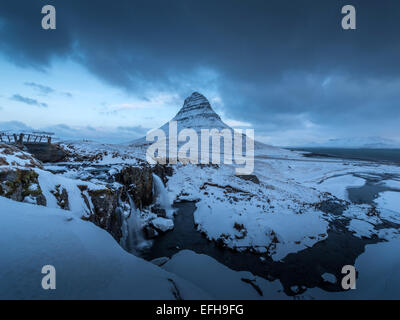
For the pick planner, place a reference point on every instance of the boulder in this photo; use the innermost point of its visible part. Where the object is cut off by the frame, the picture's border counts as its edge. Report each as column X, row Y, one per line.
column 21, row 185
column 249, row 177
column 162, row 224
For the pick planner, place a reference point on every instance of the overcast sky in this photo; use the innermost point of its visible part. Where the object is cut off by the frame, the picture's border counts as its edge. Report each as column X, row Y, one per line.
column 285, row 68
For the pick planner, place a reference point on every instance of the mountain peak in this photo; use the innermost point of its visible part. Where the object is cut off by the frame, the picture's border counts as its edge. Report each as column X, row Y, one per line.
column 196, row 105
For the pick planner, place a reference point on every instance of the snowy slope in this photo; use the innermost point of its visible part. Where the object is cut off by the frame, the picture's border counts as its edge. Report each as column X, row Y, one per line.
column 220, row 281
column 196, row 114
column 89, row 263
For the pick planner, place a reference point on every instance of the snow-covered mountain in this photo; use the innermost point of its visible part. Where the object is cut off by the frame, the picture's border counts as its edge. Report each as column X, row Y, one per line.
column 196, row 114
column 358, row 142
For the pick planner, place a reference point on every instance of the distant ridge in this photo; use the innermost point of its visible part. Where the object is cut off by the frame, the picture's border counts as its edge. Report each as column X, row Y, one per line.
column 358, row 143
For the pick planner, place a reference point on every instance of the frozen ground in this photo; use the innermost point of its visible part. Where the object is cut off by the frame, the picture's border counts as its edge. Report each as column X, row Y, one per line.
column 91, row 265
column 276, row 217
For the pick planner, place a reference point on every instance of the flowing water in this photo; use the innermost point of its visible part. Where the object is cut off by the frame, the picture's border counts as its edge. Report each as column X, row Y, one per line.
column 133, row 237
column 162, row 197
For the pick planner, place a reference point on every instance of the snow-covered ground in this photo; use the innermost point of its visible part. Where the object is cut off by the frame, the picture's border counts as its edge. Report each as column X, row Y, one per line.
column 89, row 264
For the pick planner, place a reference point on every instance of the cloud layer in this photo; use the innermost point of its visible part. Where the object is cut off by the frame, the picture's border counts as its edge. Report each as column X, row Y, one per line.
column 283, row 66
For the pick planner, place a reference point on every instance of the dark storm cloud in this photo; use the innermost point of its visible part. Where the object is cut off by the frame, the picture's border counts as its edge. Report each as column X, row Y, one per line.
column 273, row 58
column 30, row 101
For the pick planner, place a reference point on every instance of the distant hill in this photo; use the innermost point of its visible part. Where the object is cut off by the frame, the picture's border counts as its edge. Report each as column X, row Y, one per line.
column 358, row 142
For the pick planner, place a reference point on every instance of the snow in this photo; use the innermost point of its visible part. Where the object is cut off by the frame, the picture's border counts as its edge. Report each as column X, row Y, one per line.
column 361, row 228
column 395, row 184
column 89, row 263
column 358, row 142
column 329, row 277
column 163, row 224
column 338, row 185
column 220, row 281
column 293, row 232
column 102, row 154
column 49, row 181
column 245, row 215
column 160, row 261
column 15, row 158
column 389, row 204
column 276, row 217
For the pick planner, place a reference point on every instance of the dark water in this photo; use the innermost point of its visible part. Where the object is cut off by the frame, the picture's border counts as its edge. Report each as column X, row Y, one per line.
column 380, row 155
column 303, row 269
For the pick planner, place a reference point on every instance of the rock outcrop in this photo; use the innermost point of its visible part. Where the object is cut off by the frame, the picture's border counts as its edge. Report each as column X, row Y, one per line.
column 138, row 182
column 21, row 185
column 105, row 213
column 46, row 152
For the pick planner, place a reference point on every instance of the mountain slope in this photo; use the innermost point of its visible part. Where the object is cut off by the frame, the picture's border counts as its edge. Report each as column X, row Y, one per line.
column 198, row 114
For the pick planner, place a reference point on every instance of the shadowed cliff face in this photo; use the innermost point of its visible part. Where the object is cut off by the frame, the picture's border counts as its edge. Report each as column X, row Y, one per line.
column 46, row 152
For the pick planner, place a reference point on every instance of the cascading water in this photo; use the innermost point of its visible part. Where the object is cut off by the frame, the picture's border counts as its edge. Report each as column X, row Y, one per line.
column 132, row 239
column 162, row 197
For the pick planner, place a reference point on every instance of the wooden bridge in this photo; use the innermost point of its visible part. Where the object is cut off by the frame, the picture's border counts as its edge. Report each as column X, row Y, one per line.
column 25, row 138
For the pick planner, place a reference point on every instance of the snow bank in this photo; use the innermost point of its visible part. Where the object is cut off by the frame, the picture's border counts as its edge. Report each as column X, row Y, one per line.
column 220, row 281
column 278, row 233
column 361, row 228
column 246, row 215
column 162, row 224
column 49, row 181
column 395, row 184
column 338, row 185
column 89, row 263
column 388, row 203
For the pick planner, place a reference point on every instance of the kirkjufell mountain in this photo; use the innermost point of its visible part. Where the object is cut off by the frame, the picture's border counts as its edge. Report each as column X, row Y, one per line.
column 196, row 113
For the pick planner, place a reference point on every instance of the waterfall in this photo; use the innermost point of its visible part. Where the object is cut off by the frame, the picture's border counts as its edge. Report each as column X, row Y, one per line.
column 162, row 197
column 133, row 239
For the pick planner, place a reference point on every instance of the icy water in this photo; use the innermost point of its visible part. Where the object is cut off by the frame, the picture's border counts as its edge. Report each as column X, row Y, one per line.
column 367, row 193
column 379, row 155
column 303, row 269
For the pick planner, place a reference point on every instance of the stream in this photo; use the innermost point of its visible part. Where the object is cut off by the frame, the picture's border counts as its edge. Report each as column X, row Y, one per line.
column 301, row 270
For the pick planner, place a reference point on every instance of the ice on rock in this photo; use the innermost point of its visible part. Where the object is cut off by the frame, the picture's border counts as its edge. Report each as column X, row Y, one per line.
column 329, row 277
column 163, row 224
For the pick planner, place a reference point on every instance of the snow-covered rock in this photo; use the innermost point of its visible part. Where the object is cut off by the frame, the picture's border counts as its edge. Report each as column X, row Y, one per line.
column 162, row 224
column 329, row 277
